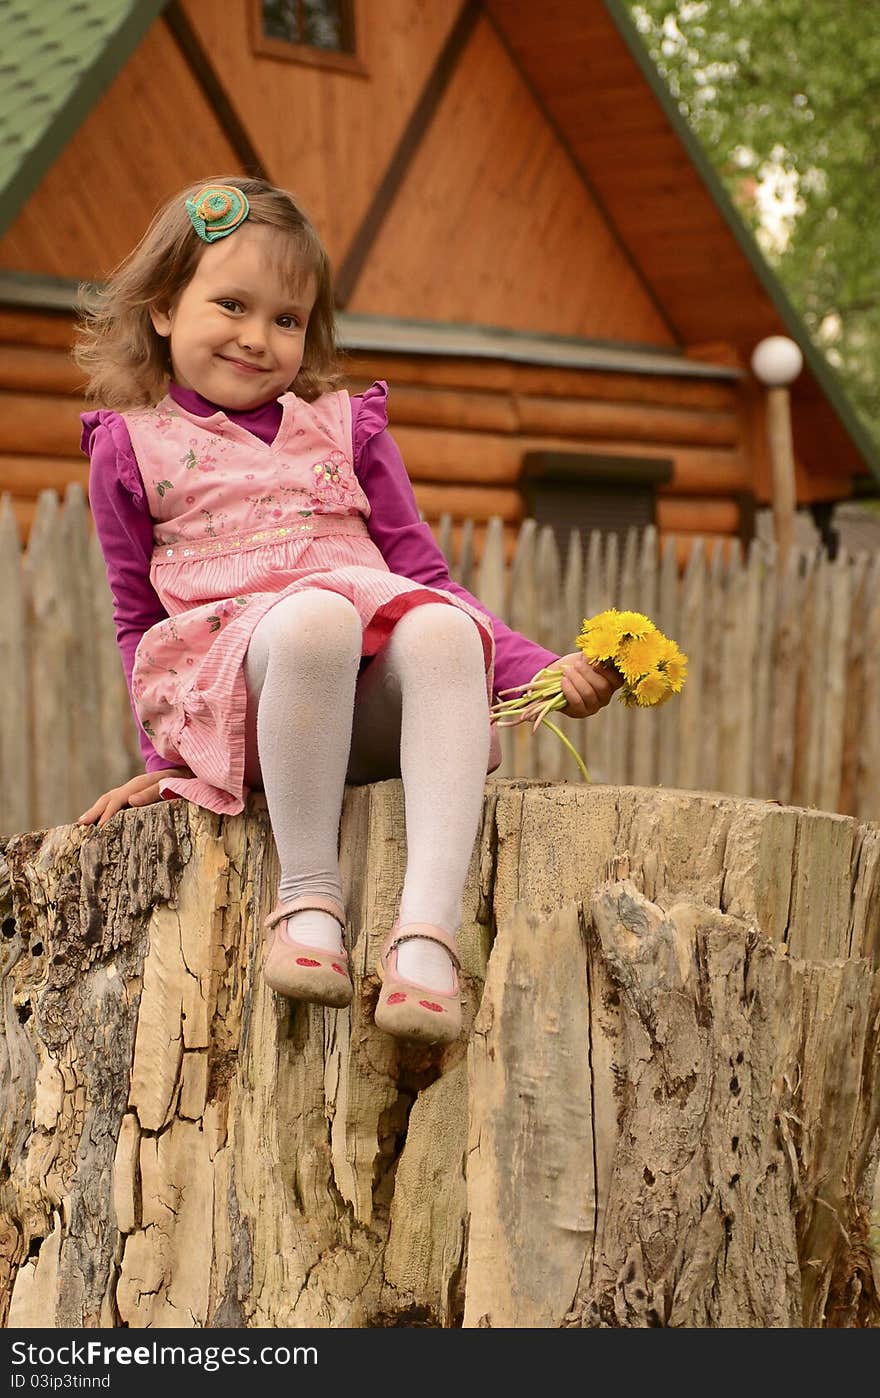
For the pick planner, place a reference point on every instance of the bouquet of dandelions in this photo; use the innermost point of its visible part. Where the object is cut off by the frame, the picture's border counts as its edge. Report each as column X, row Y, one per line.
column 651, row 666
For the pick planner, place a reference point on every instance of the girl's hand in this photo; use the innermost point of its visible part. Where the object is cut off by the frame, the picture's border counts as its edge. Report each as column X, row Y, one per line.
column 587, row 688
column 140, row 791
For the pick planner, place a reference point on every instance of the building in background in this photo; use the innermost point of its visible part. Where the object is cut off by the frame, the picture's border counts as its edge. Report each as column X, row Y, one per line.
column 528, row 242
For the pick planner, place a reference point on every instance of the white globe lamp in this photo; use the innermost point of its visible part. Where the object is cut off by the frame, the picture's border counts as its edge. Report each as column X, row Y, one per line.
column 777, row 361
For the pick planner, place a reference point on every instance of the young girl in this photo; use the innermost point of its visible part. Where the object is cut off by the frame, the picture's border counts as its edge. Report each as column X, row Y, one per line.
column 285, row 619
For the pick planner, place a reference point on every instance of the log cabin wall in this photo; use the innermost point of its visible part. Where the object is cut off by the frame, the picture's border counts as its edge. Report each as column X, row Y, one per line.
column 464, row 428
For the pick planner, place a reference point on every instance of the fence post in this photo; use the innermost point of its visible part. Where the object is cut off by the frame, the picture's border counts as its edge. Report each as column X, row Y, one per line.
column 16, row 740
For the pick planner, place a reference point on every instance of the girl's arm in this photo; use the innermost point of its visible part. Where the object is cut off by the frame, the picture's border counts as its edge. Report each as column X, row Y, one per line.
column 125, row 533
column 407, row 544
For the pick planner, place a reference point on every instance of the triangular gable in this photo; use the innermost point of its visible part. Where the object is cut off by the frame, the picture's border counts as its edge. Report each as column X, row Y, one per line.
column 58, row 57
column 648, row 170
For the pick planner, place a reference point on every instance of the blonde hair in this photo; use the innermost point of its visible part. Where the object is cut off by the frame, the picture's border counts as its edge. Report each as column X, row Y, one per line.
column 125, row 360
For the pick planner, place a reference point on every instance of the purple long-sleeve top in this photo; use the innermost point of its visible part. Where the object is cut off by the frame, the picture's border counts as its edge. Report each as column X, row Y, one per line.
column 125, row 529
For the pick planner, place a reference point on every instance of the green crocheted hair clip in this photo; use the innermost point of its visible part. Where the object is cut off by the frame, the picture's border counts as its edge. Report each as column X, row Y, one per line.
column 217, row 210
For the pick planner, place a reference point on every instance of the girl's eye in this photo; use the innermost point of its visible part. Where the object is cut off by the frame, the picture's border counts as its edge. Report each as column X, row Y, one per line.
column 288, row 322
column 228, row 305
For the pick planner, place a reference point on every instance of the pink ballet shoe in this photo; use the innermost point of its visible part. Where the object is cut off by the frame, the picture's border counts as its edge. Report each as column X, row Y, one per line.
column 302, row 972
column 412, row 1011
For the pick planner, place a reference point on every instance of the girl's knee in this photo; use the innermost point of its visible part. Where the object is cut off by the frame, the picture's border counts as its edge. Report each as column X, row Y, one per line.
column 314, row 623
column 432, row 631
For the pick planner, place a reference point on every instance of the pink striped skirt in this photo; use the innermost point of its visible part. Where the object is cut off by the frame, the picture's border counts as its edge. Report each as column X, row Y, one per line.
column 188, row 680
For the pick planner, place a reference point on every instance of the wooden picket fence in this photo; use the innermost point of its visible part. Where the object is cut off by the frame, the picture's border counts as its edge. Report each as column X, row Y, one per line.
column 782, row 701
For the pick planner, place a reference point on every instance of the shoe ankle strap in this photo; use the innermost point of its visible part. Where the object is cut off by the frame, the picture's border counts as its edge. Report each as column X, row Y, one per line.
column 308, row 902
column 428, row 933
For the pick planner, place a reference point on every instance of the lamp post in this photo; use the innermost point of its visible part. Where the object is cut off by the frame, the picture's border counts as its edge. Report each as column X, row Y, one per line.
column 776, row 362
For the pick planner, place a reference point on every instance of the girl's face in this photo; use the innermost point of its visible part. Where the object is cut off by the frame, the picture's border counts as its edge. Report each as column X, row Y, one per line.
column 237, row 331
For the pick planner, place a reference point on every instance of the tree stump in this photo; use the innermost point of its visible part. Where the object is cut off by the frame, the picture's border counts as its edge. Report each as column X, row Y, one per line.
column 663, row 1109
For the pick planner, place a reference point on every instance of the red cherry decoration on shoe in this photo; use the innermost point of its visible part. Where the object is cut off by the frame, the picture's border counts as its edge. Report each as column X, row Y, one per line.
column 396, row 998
column 306, row 961
column 431, row 1005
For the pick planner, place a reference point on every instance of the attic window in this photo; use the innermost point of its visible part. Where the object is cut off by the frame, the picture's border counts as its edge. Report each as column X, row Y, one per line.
column 319, row 32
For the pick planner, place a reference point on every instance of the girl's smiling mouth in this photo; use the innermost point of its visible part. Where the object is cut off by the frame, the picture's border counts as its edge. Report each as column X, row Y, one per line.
column 243, row 365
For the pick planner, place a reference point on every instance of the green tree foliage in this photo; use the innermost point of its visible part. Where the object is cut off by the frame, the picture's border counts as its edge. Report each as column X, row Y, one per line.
column 789, row 90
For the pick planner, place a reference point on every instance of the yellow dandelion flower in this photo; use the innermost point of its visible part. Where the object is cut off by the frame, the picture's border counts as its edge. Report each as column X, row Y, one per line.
column 652, row 689
column 674, row 664
column 600, row 642
column 640, row 654
column 634, row 624
column 599, row 619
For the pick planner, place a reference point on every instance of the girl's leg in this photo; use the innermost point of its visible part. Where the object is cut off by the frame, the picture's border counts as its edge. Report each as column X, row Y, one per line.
column 421, row 710
column 300, row 671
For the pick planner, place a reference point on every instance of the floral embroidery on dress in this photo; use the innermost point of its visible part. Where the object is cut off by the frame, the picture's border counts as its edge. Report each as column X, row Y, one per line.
column 162, row 486
column 261, row 505
column 332, row 481
column 327, row 471
column 163, row 418
column 195, row 461
column 224, row 611
column 210, row 529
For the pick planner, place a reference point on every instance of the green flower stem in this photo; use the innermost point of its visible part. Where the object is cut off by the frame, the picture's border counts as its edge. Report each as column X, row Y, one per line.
column 557, row 702
column 531, row 699
column 577, row 757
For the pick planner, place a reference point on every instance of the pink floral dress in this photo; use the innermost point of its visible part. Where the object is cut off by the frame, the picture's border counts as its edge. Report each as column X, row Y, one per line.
column 237, row 525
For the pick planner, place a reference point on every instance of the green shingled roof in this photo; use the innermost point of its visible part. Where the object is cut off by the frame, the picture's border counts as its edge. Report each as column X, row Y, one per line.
column 56, row 59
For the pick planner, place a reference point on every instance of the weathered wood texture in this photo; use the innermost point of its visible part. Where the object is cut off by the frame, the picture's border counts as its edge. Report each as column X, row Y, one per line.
column 663, row 1109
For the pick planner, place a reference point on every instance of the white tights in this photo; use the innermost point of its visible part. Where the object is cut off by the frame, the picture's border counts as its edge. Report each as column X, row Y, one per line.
column 417, row 711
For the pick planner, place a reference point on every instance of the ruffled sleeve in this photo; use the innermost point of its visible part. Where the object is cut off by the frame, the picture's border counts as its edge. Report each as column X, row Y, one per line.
column 127, row 472
column 369, row 417
column 125, row 533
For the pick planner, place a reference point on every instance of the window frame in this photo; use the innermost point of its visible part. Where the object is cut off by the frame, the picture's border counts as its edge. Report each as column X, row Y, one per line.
column 310, row 55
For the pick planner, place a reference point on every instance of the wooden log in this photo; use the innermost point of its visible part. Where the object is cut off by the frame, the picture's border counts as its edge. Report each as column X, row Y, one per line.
column 35, row 369
column 676, row 513
column 39, row 424
column 469, row 501
column 53, row 330
column 26, row 476
column 413, row 405
column 663, row 1109
column 633, row 422
column 499, row 376
column 433, row 455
